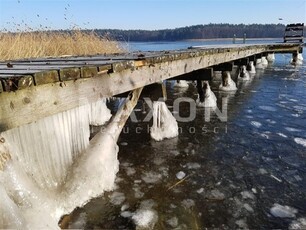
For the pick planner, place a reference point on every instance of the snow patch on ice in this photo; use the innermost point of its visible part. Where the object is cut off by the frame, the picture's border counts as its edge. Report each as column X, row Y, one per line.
column 298, row 224
column 151, row 177
column 130, row 171
column 242, row 224
column 126, row 214
column 216, row 195
column 290, row 129
column 300, row 141
column 117, row 198
column 173, row 222
column 267, row 108
column 256, row 124
column 247, row 195
column 283, row 211
column 262, row 171
column 145, row 218
column 248, row 207
column 188, row 203
column 282, row 135
column 191, row 165
column 180, row 175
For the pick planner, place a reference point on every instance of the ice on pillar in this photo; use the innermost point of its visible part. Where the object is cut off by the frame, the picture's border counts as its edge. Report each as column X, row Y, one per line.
column 46, row 148
column 243, row 74
column 227, row 83
column 264, row 61
column 252, row 69
column 297, row 59
column 164, row 123
column 181, row 84
column 259, row 64
column 209, row 98
column 49, row 167
column 271, row 57
column 99, row 113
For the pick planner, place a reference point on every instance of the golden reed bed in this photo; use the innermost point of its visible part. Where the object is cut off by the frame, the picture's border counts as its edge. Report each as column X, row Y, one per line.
column 44, row 44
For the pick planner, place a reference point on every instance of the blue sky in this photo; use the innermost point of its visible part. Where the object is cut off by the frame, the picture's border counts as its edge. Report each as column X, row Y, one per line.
column 144, row 14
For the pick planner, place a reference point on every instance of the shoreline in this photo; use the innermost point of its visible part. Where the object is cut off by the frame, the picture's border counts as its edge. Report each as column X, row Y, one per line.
column 222, row 39
column 212, row 39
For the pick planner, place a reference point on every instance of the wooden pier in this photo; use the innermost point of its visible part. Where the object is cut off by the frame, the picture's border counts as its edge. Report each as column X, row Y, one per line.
column 32, row 89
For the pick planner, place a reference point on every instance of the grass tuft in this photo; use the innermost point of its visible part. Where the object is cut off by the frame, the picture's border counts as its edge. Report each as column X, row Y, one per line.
column 45, row 44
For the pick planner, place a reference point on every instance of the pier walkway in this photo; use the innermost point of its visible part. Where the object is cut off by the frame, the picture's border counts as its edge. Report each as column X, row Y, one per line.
column 32, row 89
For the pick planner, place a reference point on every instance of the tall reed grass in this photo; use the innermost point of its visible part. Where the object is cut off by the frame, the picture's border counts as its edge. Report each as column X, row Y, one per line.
column 44, row 44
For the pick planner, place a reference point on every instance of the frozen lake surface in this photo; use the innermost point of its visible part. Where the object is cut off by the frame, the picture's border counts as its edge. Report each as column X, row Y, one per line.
column 247, row 172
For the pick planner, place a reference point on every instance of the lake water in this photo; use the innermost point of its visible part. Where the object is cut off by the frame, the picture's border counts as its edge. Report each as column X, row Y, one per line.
column 247, row 172
column 158, row 46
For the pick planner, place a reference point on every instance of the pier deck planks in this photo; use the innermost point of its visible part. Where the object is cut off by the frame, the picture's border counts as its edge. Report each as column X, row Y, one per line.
column 31, row 89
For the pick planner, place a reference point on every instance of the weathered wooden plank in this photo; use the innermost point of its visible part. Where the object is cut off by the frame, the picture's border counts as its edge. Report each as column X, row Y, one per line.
column 87, row 72
column 70, row 74
column 120, row 66
column 46, row 77
column 1, row 87
column 59, row 63
column 104, row 68
column 25, row 82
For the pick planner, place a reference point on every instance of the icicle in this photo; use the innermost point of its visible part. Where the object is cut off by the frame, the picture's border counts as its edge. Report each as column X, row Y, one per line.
column 95, row 170
column 210, row 99
column 99, row 113
column 164, row 124
column 36, row 204
column 47, row 148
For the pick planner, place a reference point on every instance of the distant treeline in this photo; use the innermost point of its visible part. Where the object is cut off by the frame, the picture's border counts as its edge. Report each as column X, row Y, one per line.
column 197, row 32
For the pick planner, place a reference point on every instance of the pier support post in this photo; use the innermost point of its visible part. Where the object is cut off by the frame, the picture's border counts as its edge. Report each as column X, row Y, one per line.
column 297, row 58
column 200, row 91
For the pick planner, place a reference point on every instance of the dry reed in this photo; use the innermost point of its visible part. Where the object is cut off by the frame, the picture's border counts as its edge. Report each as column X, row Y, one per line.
column 45, row 44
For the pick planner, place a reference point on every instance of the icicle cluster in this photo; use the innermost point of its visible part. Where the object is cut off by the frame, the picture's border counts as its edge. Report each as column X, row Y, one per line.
column 164, row 124
column 36, row 161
